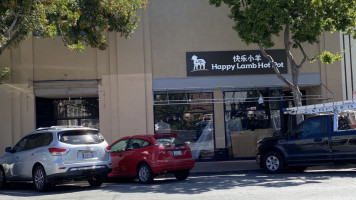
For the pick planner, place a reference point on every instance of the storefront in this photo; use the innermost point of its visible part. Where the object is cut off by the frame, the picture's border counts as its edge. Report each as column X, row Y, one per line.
column 228, row 101
column 246, row 115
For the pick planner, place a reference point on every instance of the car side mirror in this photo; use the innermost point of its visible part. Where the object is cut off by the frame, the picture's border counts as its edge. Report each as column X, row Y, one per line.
column 8, row 149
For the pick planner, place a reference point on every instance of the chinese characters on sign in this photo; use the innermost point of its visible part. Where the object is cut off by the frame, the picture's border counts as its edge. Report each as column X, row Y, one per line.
column 217, row 63
column 244, row 58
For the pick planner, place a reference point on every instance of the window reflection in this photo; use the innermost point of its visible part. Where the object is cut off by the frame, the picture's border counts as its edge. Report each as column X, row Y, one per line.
column 77, row 112
column 192, row 121
column 250, row 115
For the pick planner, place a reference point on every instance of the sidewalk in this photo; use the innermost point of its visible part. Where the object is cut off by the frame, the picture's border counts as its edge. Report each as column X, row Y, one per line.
column 209, row 167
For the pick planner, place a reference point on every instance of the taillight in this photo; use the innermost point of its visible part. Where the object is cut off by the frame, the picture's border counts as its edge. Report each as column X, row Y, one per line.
column 108, row 149
column 162, row 153
column 189, row 152
column 162, row 148
column 57, row 151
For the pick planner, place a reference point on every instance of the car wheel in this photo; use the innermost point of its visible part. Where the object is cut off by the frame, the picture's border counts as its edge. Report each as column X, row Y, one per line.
column 40, row 179
column 3, row 183
column 95, row 181
column 144, row 173
column 273, row 162
column 181, row 175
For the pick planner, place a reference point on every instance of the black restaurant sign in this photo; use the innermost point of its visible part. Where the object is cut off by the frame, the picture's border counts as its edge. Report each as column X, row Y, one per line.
column 216, row 63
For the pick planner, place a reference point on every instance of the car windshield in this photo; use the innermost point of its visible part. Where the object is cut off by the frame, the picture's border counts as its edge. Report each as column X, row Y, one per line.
column 80, row 137
column 170, row 141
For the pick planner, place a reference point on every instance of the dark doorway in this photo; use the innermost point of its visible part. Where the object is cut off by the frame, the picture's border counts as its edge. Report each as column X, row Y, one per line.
column 65, row 112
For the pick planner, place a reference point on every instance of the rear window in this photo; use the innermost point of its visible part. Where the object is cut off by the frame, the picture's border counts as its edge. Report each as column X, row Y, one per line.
column 170, row 141
column 80, row 137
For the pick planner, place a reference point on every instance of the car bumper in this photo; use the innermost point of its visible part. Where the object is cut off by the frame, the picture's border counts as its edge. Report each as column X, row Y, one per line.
column 258, row 159
column 164, row 166
column 80, row 173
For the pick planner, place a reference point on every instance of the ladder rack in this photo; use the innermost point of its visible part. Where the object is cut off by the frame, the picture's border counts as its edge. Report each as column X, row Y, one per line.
column 322, row 108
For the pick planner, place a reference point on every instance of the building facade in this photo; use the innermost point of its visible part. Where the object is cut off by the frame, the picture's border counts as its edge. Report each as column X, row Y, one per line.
column 184, row 70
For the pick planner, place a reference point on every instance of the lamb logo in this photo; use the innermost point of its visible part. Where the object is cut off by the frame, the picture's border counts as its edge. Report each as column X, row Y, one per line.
column 199, row 64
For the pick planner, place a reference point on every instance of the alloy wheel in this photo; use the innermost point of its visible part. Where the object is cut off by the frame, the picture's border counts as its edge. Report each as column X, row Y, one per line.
column 39, row 179
column 144, row 173
column 272, row 163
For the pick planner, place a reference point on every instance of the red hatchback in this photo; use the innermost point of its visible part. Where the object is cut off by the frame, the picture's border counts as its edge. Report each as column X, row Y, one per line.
column 145, row 156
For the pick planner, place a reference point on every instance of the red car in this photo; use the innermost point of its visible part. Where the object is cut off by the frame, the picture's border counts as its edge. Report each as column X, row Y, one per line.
column 145, row 156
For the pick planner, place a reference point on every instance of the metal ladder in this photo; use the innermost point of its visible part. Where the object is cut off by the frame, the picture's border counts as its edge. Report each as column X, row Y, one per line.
column 323, row 108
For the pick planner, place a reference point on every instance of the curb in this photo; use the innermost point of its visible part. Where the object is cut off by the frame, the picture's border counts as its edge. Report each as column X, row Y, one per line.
column 242, row 171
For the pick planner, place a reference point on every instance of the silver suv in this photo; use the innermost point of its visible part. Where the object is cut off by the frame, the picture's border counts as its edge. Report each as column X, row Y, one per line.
column 48, row 156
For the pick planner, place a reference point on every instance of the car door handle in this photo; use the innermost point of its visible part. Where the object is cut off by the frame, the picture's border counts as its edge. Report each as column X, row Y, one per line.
column 121, row 155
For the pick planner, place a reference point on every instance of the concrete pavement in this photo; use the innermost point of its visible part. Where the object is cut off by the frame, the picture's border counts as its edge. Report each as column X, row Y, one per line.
column 236, row 166
column 208, row 167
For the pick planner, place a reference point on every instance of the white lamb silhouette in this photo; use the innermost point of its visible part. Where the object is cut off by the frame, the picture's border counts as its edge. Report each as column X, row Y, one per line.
column 199, row 64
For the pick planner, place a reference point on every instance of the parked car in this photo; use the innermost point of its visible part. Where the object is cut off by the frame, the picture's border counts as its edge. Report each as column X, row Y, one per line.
column 325, row 139
column 145, row 156
column 48, row 156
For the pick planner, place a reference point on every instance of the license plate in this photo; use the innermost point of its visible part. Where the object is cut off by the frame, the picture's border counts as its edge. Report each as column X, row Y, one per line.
column 87, row 155
column 177, row 153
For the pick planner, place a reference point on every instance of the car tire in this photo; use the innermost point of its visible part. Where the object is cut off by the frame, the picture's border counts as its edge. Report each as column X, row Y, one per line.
column 95, row 181
column 181, row 175
column 3, row 183
column 40, row 180
column 273, row 162
column 144, row 173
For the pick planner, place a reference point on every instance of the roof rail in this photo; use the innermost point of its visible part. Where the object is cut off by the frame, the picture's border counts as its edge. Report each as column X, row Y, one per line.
column 59, row 127
column 67, row 126
column 43, row 128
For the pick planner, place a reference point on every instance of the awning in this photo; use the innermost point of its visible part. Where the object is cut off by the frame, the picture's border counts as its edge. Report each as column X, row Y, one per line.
column 66, row 89
column 236, row 83
column 246, row 81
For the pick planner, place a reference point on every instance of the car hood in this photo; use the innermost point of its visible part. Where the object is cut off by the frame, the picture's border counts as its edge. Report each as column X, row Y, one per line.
column 273, row 138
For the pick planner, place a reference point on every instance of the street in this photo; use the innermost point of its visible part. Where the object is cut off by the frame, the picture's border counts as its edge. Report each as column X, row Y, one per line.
column 315, row 184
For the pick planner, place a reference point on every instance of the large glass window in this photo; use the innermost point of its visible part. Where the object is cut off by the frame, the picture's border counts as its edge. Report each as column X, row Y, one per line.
column 190, row 115
column 250, row 115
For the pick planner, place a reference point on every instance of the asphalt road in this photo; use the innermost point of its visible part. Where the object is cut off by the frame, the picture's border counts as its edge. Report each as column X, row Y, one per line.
column 317, row 184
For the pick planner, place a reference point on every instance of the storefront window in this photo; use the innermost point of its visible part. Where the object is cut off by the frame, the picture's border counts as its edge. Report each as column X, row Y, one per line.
column 250, row 115
column 187, row 115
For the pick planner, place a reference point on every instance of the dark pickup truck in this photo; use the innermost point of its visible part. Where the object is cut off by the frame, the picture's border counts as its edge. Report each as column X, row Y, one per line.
column 312, row 142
